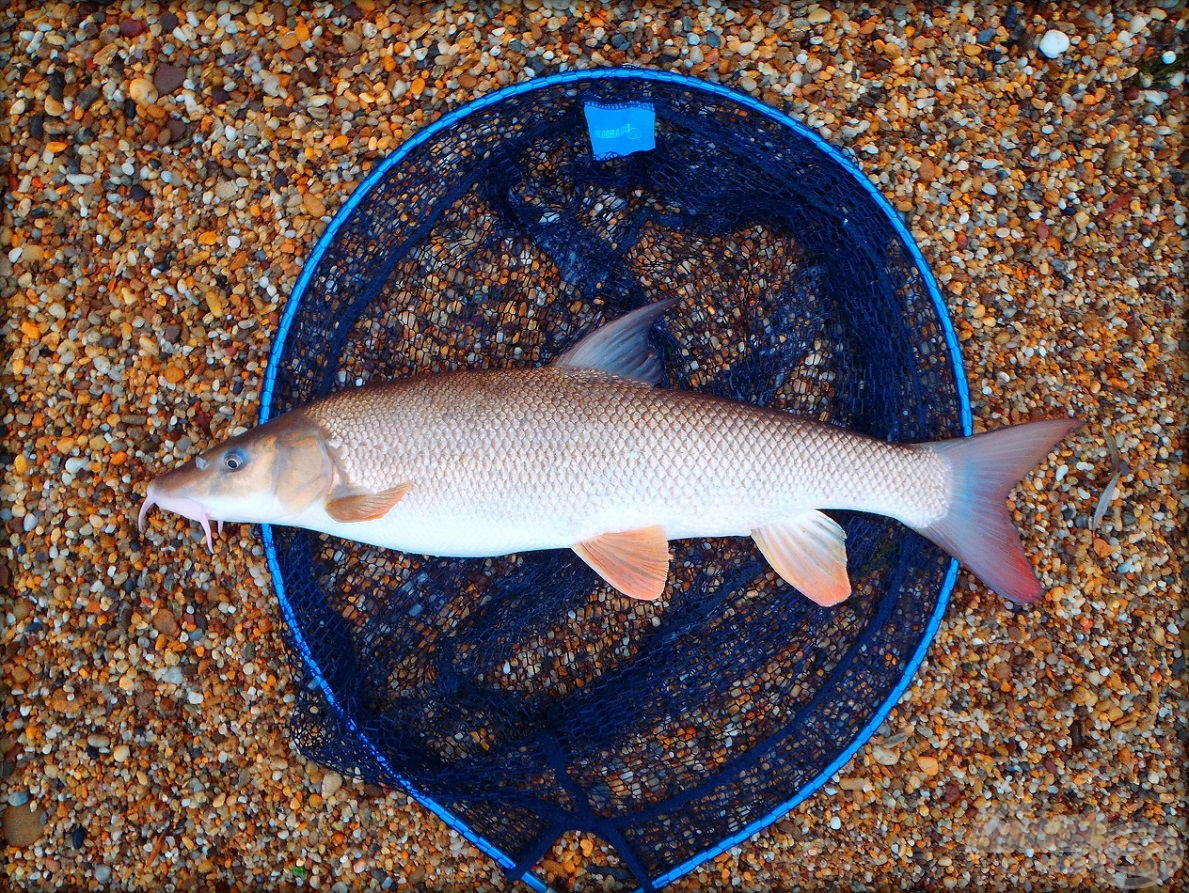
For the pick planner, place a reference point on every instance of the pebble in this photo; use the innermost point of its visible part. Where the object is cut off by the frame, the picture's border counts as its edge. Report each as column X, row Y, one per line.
column 1054, row 43
column 331, row 783
column 23, row 825
column 929, row 765
column 818, row 16
column 885, row 756
column 166, row 623
column 313, row 205
column 168, row 78
column 142, row 91
column 131, row 700
column 173, row 676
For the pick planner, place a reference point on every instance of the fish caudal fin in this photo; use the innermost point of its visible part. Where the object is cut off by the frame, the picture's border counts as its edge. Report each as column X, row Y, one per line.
column 978, row 529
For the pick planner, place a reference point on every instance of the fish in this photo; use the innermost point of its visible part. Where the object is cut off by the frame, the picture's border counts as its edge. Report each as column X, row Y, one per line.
column 588, row 453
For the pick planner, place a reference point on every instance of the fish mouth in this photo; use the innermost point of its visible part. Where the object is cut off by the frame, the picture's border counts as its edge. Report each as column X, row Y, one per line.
column 184, row 506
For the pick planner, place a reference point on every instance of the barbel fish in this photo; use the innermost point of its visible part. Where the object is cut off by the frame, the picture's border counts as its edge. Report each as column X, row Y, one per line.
column 588, row 454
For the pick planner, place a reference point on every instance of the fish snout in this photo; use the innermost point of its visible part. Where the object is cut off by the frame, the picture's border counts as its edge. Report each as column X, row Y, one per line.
column 182, row 505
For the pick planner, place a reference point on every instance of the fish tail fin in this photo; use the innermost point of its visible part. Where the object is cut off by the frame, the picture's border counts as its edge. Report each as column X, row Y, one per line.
column 978, row 529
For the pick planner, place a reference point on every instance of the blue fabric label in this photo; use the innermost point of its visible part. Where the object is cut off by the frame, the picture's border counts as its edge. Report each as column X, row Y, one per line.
column 620, row 129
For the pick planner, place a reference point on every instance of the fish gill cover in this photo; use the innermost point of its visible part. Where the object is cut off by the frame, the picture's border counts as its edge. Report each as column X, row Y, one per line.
column 520, row 697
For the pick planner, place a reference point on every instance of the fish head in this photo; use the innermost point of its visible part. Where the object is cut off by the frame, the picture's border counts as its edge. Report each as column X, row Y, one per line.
column 266, row 475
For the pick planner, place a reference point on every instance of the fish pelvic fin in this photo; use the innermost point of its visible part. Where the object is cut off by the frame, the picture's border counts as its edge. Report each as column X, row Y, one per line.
column 621, row 347
column 357, row 507
column 809, row 552
column 636, row 562
column 977, row 528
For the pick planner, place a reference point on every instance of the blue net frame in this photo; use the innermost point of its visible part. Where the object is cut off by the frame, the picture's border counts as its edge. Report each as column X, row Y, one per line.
column 518, row 698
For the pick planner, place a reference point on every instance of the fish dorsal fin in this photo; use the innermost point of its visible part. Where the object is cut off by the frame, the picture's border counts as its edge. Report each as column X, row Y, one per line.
column 621, row 347
column 357, row 507
column 636, row 562
column 809, row 552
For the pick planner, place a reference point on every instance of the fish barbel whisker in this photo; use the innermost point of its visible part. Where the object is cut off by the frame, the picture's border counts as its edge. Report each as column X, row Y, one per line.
column 189, row 508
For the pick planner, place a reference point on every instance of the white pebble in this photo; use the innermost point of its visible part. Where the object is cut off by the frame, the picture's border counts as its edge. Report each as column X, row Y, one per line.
column 835, row 823
column 194, row 697
column 1168, row 57
column 173, row 676
column 1054, row 43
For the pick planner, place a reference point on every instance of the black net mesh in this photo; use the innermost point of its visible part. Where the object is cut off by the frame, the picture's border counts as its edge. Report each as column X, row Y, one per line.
column 520, row 693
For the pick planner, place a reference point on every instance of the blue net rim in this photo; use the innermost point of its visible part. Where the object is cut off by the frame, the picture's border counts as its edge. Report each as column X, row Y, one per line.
column 294, row 302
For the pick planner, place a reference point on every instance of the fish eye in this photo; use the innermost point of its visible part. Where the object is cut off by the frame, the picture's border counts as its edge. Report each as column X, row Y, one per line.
column 234, row 460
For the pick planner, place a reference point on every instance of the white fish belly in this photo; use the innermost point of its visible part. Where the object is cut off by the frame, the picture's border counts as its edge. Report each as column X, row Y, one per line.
column 436, row 533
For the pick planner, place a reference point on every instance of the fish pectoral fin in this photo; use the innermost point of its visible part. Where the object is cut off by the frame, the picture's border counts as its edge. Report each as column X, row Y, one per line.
column 809, row 552
column 365, row 506
column 636, row 562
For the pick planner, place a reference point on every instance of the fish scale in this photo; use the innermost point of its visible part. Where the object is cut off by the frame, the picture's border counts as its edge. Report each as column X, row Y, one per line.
column 578, row 450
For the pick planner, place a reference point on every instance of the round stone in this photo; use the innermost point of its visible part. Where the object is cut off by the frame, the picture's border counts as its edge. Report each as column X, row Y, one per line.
column 1054, row 43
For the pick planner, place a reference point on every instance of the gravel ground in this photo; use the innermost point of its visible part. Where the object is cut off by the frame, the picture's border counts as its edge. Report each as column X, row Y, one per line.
column 168, row 172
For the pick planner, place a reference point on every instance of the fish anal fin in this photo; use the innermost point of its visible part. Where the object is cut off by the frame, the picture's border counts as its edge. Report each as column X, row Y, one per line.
column 636, row 562
column 809, row 552
column 356, row 507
